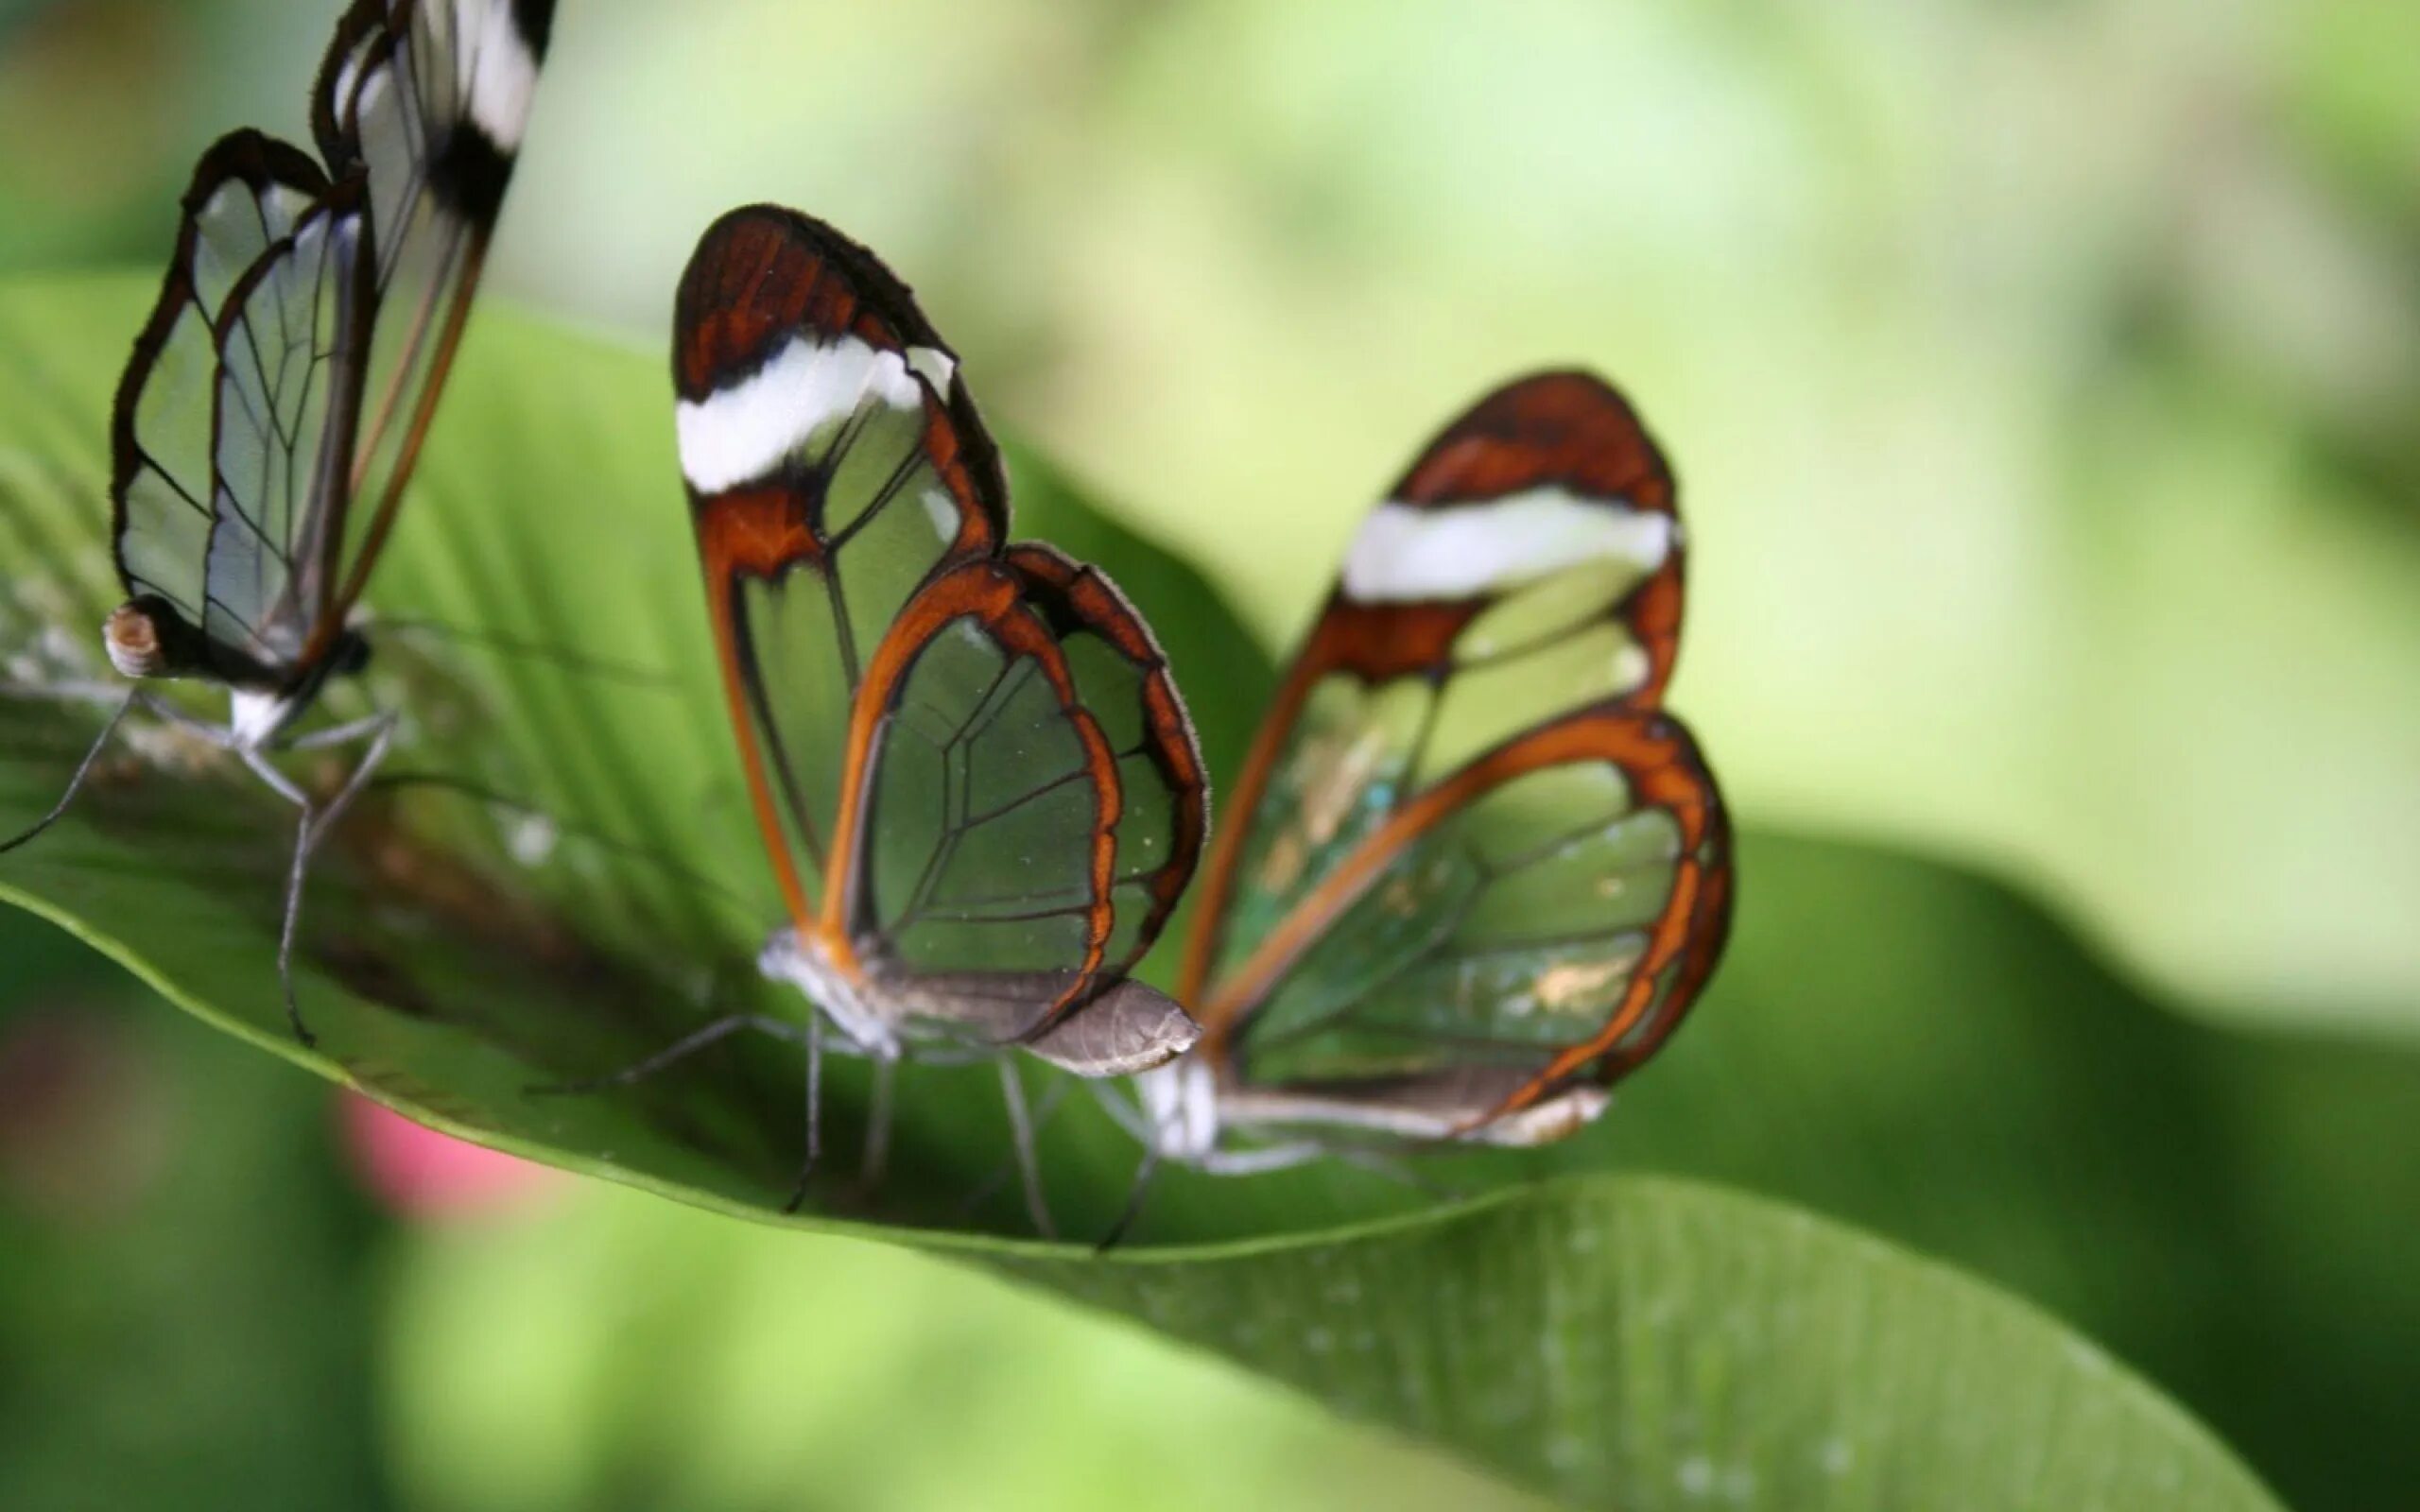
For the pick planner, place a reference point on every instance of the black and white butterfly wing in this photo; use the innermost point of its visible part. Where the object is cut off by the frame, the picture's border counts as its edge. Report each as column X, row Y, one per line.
column 427, row 100
column 277, row 400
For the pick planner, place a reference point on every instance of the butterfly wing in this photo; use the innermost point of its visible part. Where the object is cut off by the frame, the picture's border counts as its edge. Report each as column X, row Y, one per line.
column 291, row 365
column 248, row 194
column 970, row 769
column 829, row 476
column 1476, row 860
column 428, row 101
column 1033, row 801
column 234, row 415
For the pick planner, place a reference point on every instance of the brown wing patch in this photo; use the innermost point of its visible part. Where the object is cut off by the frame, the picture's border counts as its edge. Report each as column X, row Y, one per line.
column 1570, row 430
column 759, row 281
column 764, row 276
column 758, row 533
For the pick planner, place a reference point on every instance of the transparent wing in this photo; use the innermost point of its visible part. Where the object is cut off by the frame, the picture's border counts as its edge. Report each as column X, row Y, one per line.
column 1520, row 586
column 277, row 399
column 428, row 101
column 1554, row 907
column 249, row 194
column 835, row 465
column 289, row 346
column 1033, row 797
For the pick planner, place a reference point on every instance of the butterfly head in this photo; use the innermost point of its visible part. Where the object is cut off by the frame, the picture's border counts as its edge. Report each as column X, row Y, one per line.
column 834, row 985
column 145, row 638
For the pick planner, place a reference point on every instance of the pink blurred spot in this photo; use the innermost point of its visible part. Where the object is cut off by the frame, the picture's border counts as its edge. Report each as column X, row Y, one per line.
column 423, row 1174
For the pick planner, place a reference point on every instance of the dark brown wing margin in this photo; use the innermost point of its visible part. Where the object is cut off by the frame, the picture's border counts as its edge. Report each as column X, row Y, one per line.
column 1072, row 596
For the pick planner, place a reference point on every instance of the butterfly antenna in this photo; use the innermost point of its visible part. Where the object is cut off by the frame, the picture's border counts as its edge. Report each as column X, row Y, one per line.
column 75, row 783
column 702, row 1038
column 580, row 661
column 629, row 850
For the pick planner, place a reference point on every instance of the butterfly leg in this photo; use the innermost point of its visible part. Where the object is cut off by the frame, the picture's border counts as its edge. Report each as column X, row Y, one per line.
column 1044, row 1108
column 1266, row 1158
column 1124, row 1114
column 1037, row 1204
column 876, row 1157
column 1152, row 1135
column 218, row 735
column 75, row 783
column 380, row 728
column 813, row 1111
column 284, row 787
column 1134, row 1208
column 1398, row 1171
column 680, row 1050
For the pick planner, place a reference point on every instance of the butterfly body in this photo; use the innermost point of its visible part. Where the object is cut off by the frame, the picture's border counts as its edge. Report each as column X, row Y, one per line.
column 277, row 399
column 873, row 1020
column 977, row 786
column 1198, row 1119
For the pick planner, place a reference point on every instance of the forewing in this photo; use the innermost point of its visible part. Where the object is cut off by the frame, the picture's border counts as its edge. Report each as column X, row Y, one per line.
column 288, row 349
column 1033, row 799
column 1522, row 582
column 427, row 100
column 248, row 195
column 835, row 467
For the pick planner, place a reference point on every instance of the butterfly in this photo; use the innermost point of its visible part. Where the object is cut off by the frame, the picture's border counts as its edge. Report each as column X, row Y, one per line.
column 279, row 394
column 979, row 791
column 1479, row 875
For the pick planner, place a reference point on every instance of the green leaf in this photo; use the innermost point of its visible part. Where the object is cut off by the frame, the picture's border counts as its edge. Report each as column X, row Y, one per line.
column 1652, row 1344
column 1624, row 1340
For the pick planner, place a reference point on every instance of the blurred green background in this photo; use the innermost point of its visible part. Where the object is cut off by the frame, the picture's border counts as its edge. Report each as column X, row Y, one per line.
column 2045, row 385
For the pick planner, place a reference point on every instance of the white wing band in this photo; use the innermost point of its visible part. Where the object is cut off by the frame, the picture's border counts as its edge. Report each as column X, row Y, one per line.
column 1403, row 554
column 743, row 432
column 498, row 72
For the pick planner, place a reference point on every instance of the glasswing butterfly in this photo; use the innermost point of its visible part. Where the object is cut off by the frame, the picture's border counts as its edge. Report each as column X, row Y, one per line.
column 1475, row 874
column 979, row 791
column 277, row 397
